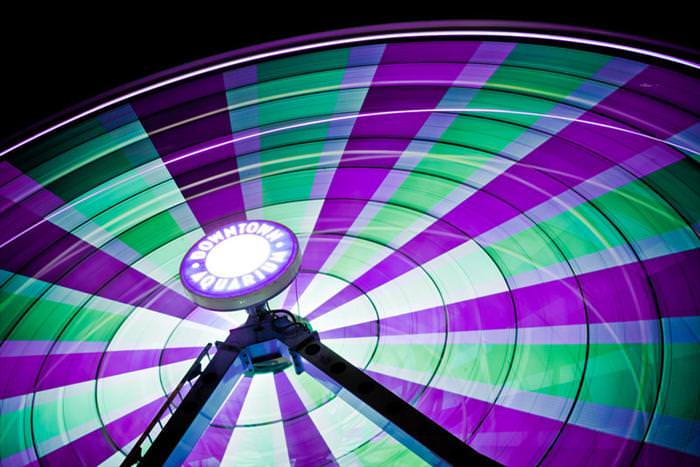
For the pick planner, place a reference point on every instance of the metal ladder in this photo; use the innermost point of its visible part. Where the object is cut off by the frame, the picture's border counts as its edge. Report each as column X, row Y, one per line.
column 170, row 405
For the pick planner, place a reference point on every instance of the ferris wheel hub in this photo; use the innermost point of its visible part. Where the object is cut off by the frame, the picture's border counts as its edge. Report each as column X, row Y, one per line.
column 240, row 265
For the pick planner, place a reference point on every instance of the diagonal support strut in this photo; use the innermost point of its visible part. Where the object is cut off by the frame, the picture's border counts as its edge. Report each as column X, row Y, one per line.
column 397, row 417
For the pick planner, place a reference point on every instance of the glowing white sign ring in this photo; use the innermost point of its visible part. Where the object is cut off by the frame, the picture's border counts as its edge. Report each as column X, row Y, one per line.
column 240, row 265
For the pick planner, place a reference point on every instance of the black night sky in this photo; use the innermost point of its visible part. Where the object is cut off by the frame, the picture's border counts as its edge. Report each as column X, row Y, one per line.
column 55, row 59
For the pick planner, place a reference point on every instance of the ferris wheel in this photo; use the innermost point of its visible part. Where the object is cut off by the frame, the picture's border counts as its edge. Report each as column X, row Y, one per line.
column 498, row 227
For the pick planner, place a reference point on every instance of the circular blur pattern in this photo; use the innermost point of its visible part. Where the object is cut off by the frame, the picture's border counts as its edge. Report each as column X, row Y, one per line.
column 501, row 227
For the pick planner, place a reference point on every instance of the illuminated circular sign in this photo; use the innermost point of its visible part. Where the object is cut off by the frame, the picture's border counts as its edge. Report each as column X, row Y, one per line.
column 240, row 265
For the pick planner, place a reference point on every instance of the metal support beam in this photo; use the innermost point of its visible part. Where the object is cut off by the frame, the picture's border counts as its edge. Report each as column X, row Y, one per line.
column 265, row 334
column 196, row 411
column 401, row 420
